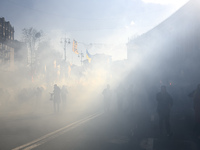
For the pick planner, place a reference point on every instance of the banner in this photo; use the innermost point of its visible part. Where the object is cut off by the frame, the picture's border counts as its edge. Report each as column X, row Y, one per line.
column 88, row 56
column 74, row 48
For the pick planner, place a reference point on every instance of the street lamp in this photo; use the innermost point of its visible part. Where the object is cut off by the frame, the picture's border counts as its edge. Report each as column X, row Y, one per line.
column 66, row 41
column 81, row 55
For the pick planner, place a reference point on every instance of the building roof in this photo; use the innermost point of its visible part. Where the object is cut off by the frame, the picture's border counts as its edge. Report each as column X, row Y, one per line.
column 185, row 19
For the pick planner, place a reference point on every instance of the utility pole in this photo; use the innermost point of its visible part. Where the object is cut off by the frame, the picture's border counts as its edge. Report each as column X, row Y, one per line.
column 66, row 41
column 81, row 55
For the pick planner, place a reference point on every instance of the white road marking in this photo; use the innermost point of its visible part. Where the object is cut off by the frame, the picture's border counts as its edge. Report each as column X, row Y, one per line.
column 55, row 134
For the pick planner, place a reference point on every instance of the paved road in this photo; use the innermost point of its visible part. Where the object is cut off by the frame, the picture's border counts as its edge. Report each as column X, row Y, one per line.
column 91, row 130
column 21, row 129
column 98, row 131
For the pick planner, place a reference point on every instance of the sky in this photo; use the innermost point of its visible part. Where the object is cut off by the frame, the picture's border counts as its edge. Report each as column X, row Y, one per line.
column 112, row 22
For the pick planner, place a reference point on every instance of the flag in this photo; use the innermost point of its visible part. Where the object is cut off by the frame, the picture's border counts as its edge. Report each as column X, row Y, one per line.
column 74, row 48
column 88, row 56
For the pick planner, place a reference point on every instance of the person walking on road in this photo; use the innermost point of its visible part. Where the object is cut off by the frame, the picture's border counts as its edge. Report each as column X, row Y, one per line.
column 107, row 98
column 165, row 102
column 56, row 99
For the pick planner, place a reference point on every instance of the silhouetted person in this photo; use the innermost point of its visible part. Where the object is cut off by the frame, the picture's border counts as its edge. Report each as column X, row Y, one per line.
column 196, row 101
column 64, row 93
column 38, row 93
column 56, row 99
column 165, row 103
column 107, row 98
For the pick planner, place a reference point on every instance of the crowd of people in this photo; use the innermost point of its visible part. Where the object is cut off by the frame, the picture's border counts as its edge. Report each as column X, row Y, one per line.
column 130, row 99
column 134, row 102
column 36, row 96
column 27, row 94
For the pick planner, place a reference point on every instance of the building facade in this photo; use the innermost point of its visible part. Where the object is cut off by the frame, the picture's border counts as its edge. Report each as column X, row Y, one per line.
column 6, row 44
column 171, row 50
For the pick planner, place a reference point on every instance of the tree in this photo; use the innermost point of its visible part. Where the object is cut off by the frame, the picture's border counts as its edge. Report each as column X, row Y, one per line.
column 32, row 39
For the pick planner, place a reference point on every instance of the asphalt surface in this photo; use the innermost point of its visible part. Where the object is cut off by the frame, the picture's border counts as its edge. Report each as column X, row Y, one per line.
column 93, row 130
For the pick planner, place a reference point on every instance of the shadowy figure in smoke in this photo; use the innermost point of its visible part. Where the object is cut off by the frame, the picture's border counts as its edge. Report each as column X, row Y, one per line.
column 196, row 101
column 136, row 111
column 56, row 99
column 165, row 102
column 107, row 98
column 64, row 93
column 38, row 93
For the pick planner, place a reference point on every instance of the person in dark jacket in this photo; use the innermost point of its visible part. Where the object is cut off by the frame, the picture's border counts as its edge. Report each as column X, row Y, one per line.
column 165, row 103
column 56, row 100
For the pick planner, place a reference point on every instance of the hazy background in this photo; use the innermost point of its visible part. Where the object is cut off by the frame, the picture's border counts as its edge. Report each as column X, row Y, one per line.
column 102, row 27
column 105, row 22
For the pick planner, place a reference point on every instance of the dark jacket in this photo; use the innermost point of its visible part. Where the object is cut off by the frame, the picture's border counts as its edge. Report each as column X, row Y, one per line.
column 56, row 93
column 165, row 102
